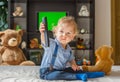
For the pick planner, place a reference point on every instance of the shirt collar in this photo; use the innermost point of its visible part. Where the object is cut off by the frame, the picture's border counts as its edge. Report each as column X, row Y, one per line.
column 58, row 43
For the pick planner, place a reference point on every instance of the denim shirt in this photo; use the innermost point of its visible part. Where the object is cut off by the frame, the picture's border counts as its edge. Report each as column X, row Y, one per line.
column 63, row 55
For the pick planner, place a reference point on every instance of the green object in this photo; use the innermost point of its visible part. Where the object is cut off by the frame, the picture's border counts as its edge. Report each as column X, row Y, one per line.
column 3, row 14
column 18, row 27
column 52, row 18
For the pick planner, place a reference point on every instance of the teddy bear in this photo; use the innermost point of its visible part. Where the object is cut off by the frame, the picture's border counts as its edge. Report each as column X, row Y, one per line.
column 34, row 43
column 10, row 53
column 18, row 11
column 83, row 11
column 80, row 43
column 104, row 61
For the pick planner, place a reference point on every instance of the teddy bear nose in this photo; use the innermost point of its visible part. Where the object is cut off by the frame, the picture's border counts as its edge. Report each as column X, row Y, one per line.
column 0, row 40
column 12, row 42
column 13, row 39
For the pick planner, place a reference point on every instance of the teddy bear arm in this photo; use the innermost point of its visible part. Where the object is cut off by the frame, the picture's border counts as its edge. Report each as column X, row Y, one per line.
column 16, row 13
column 21, row 54
column 95, row 68
column 2, row 49
column 84, row 68
column 21, row 14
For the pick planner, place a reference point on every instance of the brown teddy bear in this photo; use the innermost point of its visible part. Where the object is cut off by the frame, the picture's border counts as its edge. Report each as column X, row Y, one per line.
column 104, row 61
column 34, row 43
column 18, row 11
column 10, row 53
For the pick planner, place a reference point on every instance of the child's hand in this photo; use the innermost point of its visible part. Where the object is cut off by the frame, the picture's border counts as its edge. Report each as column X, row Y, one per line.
column 42, row 28
column 75, row 68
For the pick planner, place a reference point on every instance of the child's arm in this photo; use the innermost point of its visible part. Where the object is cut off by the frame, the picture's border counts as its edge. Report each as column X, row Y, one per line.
column 44, row 36
column 42, row 29
column 74, row 66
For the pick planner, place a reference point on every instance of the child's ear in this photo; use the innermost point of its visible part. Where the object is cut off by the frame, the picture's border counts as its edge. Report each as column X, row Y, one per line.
column 74, row 36
column 54, row 29
column 54, row 32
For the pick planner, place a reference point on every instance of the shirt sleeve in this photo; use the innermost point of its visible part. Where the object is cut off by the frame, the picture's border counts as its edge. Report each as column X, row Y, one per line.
column 51, row 42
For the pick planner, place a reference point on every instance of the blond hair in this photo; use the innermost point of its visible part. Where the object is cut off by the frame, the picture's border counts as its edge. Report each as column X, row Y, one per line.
column 69, row 20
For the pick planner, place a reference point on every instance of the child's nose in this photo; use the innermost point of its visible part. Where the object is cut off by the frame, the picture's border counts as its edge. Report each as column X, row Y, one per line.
column 64, row 34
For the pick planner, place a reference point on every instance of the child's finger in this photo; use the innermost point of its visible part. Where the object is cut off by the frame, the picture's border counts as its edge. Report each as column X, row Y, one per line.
column 42, row 25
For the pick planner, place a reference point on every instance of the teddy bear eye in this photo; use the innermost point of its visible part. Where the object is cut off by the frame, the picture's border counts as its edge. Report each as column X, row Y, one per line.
column 0, row 40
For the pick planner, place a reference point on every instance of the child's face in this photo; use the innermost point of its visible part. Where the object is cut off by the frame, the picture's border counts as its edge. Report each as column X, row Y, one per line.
column 65, row 34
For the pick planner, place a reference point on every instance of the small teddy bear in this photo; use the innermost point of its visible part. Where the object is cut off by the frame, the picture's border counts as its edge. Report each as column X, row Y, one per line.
column 10, row 53
column 83, row 11
column 104, row 61
column 34, row 43
column 18, row 11
column 80, row 43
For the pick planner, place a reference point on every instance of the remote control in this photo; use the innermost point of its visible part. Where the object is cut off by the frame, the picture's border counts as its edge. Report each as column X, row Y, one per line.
column 46, row 36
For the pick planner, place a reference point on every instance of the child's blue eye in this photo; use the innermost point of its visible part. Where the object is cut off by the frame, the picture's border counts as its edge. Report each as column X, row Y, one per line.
column 61, row 31
column 68, row 33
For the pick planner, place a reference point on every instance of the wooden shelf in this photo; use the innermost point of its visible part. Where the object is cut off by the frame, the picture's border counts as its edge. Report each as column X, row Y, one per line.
column 31, row 7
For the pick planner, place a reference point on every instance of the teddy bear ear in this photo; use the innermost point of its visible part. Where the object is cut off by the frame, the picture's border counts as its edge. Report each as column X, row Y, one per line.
column 111, row 49
column 98, row 51
column 1, row 33
column 20, row 32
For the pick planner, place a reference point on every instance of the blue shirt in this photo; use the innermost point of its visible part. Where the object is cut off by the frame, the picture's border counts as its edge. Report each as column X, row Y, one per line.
column 63, row 55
